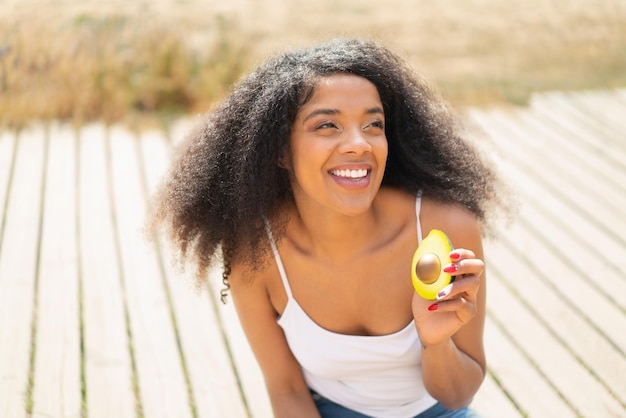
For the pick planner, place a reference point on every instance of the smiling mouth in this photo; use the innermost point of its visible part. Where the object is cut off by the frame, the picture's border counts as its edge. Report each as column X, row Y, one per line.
column 350, row 174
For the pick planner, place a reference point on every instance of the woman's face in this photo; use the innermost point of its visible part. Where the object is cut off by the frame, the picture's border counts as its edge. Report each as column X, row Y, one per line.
column 338, row 146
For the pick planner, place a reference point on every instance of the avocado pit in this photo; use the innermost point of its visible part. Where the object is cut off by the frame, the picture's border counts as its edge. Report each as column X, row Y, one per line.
column 428, row 268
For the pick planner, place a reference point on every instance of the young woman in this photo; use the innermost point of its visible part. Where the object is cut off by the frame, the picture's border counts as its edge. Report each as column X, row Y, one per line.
column 317, row 178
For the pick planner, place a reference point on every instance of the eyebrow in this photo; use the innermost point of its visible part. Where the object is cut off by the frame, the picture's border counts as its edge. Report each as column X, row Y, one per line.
column 370, row 111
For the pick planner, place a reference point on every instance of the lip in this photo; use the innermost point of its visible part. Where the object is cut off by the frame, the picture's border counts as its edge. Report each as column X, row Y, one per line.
column 352, row 183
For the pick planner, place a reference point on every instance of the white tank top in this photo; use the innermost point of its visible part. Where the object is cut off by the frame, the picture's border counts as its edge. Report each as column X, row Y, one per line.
column 379, row 376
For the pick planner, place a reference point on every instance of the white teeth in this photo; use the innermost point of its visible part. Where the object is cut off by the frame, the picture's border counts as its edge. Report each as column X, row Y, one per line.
column 351, row 174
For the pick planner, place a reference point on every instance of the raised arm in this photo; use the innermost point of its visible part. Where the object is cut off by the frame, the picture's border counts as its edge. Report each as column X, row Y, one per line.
column 451, row 329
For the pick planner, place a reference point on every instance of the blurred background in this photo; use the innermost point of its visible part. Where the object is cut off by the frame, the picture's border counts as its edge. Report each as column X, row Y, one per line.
column 135, row 59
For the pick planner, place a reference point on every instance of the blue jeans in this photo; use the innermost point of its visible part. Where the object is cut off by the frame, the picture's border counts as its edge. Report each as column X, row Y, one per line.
column 329, row 409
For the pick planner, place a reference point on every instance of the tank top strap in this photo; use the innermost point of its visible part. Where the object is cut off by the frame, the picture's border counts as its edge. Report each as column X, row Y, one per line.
column 418, row 209
column 279, row 262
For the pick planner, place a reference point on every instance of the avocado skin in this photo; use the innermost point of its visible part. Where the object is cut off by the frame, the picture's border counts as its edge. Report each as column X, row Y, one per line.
column 435, row 250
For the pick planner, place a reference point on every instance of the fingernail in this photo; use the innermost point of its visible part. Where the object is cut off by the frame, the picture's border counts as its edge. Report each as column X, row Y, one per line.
column 455, row 256
column 451, row 268
column 444, row 292
column 433, row 307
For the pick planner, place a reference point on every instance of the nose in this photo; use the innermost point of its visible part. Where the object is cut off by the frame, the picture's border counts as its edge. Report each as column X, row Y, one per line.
column 355, row 141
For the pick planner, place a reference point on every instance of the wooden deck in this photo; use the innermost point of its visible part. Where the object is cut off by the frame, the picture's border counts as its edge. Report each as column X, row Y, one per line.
column 94, row 322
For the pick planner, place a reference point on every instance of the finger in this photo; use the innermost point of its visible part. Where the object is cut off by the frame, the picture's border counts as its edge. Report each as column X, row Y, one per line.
column 462, row 307
column 461, row 253
column 463, row 285
column 465, row 266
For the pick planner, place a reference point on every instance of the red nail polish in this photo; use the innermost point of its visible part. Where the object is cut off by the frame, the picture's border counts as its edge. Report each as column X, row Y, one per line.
column 451, row 268
column 433, row 307
column 455, row 256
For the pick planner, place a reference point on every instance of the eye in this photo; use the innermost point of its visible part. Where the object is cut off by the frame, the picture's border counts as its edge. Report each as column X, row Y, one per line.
column 377, row 124
column 326, row 125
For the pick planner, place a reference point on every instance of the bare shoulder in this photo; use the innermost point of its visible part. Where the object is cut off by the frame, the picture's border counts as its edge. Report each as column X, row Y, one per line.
column 245, row 279
column 259, row 286
column 459, row 223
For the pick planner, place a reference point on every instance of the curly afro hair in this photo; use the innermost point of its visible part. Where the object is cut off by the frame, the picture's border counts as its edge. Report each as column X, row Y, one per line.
column 226, row 181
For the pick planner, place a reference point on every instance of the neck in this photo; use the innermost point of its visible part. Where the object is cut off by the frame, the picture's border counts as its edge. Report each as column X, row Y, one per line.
column 335, row 237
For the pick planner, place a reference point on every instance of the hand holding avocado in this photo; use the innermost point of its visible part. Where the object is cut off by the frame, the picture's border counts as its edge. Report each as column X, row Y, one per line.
column 451, row 278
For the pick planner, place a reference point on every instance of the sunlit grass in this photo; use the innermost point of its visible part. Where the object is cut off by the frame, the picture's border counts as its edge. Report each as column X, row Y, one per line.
column 509, row 64
column 128, row 66
column 112, row 68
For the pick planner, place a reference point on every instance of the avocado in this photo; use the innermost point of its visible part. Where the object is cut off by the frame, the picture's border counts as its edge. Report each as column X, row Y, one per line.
column 431, row 256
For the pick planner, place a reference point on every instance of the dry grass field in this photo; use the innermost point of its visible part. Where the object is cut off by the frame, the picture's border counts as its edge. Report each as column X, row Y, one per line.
column 93, row 59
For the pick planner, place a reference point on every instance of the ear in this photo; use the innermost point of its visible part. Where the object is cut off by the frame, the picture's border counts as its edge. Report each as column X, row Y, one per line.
column 284, row 160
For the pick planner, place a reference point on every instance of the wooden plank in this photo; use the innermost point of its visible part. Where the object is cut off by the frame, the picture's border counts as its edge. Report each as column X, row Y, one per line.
column 536, row 318
column 594, row 244
column 212, row 377
column 57, row 388
column 7, row 149
column 18, row 269
column 597, row 139
column 160, row 374
column 594, row 287
column 492, row 399
column 107, row 362
column 592, row 230
column 594, row 165
column 620, row 94
column 248, row 369
column 586, row 244
column 589, row 119
column 546, row 215
column 561, row 287
column 590, row 264
column 587, row 342
column 593, row 345
column 556, row 182
column 537, row 148
column 517, row 373
column 606, row 108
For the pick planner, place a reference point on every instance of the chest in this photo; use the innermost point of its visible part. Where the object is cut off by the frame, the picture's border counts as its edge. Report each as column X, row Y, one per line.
column 370, row 295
